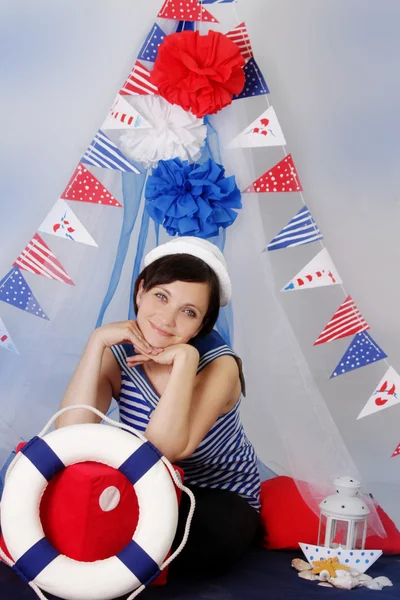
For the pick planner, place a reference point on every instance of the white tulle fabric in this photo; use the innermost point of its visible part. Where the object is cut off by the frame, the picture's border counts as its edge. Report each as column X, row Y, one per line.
column 174, row 133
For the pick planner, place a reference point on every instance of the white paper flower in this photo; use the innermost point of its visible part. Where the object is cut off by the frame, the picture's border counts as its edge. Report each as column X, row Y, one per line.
column 175, row 133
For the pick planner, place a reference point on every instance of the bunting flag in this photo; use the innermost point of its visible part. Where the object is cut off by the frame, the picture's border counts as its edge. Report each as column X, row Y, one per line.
column 15, row 290
column 38, row 258
column 318, row 272
column 62, row 222
column 154, row 38
column 85, row 187
column 396, row 452
column 240, row 36
column 103, row 153
column 255, row 84
column 189, row 10
column 363, row 351
column 264, row 131
column 124, row 116
column 282, row 177
column 386, row 394
column 302, row 229
column 5, row 339
column 218, row 1
column 347, row 320
column 139, row 82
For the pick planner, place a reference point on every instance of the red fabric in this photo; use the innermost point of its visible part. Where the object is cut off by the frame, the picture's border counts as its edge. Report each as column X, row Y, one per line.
column 200, row 73
column 73, row 520
column 287, row 520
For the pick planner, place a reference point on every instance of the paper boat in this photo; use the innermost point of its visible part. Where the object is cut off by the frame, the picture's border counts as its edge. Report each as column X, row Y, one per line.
column 360, row 560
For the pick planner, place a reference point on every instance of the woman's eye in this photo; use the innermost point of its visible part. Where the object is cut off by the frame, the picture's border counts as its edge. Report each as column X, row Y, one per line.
column 161, row 296
column 190, row 313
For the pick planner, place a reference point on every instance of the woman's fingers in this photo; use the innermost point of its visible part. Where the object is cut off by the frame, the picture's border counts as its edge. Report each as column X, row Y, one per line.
column 142, row 342
column 138, row 359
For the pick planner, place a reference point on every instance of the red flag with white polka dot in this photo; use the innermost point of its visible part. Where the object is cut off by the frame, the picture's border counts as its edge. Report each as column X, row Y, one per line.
column 396, row 452
column 185, row 10
column 85, row 187
column 282, row 177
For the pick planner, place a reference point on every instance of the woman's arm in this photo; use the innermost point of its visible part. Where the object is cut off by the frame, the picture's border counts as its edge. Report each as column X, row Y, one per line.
column 190, row 405
column 98, row 375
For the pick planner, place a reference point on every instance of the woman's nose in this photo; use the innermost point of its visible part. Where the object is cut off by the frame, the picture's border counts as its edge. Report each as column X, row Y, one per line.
column 169, row 316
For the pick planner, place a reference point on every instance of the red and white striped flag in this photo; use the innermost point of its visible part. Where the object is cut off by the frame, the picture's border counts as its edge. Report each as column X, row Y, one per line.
column 347, row 320
column 138, row 82
column 240, row 36
column 38, row 258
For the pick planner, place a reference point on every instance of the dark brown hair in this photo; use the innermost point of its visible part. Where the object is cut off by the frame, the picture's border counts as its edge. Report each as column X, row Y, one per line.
column 182, row 267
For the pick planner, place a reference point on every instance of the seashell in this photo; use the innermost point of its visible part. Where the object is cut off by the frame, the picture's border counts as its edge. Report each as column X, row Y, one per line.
column 307, row 575
column 325, row 584
column 354, row 573
column 345, row 582
column 364, row 579
column 379, row 582
column 324, row 575
column 301, row 565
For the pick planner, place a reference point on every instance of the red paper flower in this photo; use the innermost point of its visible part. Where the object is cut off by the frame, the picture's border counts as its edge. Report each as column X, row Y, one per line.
column 199, row 72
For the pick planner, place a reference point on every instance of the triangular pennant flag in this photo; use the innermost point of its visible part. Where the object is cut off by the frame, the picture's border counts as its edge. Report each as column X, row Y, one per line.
column 154, row 38
column 38, row 258
column 318, row 272
column 347, row 320
column 139, row 82
column 124, row 116
column 15, row 290
column 255, row 84
column 386, row 394
column 396, row 452
column 363, row 351
column 264, row 131
column 85, row 187
column 282, row 177
column 5, row 339
column 185, row 10
column 239, row 35
column 185, row 26
column 302, row 229
column 62, row 222
column 103, row 153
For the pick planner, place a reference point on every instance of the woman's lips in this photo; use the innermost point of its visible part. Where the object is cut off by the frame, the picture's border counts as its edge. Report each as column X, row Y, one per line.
column 160, row 331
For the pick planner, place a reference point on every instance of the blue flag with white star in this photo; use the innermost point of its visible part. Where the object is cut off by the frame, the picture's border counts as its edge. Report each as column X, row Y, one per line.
column 363, row 351
column 15, row 290
column 255, row 84
column 154, row 38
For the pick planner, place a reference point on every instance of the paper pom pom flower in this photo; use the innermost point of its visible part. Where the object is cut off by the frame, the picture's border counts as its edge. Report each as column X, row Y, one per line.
column 174, row 133
column 192, row 199
column 199, row 72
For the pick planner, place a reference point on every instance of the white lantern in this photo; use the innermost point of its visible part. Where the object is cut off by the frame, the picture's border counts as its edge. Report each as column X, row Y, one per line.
column 343, row 520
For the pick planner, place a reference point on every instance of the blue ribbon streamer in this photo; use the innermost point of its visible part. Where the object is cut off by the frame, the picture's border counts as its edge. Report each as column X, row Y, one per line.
column 132, row 188
column 144, row 230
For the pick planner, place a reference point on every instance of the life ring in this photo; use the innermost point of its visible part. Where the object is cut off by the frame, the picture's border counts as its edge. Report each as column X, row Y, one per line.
column 36, row 560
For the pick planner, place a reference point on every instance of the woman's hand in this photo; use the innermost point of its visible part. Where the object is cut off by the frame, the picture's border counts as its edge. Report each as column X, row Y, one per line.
column 168, row 356
column 122, row 332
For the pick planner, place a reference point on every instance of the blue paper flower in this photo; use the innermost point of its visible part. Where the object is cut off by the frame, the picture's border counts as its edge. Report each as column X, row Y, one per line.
column 192, row 199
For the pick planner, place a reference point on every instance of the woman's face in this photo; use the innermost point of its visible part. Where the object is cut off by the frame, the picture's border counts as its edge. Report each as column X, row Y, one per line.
column 172, row 313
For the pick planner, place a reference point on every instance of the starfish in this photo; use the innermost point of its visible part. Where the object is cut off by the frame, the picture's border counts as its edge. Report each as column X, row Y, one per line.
column 328, row 564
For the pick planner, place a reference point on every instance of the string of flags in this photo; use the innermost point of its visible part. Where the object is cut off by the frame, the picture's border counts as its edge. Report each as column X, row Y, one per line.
column 265, row 131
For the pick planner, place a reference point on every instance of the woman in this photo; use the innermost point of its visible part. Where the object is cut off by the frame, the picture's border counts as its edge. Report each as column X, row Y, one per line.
column 177, row 382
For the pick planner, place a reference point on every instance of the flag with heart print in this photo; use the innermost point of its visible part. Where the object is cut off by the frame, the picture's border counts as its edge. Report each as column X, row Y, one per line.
column 264, row 131
column 386, row 394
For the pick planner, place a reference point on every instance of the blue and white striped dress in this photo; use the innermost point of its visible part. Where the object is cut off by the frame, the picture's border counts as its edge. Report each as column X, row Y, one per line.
column 224, row 459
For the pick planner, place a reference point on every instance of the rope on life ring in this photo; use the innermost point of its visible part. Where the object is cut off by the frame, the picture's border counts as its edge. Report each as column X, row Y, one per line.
column 38, row 563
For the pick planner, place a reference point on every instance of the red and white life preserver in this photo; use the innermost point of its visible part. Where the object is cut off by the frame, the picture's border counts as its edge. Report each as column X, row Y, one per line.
column 36, row 560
